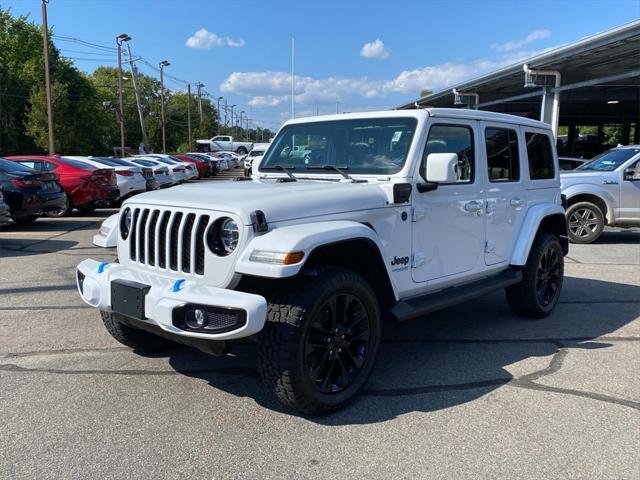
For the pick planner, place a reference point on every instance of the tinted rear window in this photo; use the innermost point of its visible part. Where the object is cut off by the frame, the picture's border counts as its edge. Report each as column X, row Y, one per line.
column 14, row 167
column 540, row 156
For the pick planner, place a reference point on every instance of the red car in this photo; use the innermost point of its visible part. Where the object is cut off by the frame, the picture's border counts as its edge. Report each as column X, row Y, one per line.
column 203, row 168
column 85, row 186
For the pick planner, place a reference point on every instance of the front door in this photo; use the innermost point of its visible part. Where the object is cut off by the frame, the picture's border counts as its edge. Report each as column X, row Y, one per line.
column 506, row 200
column 448, row 228
column 630, row 195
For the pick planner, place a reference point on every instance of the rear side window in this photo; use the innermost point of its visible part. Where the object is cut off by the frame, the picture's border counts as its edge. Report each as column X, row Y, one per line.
column 456, row 139
column 540, row 156
column 503, row 160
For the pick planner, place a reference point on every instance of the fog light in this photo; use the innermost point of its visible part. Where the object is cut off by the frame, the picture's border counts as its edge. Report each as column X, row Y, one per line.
column 199, row 316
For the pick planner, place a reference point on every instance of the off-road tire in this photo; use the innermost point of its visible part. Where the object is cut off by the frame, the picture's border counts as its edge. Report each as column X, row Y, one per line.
column 281, row 343
column 523, row 297
column 132, row 337
column 596, row 217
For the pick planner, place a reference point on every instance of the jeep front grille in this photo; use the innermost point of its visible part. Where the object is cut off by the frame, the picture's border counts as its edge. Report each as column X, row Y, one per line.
column 168, row 240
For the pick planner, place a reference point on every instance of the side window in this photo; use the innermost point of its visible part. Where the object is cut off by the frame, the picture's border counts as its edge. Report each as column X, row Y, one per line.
column 540, row 156
column 456, row 139
column 30, row 164
column 503, row 161
column 49, row 167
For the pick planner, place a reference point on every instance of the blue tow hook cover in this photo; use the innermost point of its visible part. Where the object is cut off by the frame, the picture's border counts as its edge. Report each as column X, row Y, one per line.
column 102, row 266
column 177, row 285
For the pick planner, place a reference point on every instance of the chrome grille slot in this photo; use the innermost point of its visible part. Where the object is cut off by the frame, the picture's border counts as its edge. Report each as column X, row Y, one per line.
column 168, row 240
column 142, row 236
column 151, row 237
column 162, row 238
column 132, row 234
column 199, row 244
column 173, row 241
column 187, row 248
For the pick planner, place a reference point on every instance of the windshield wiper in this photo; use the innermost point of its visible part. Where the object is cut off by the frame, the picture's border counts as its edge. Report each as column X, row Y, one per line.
column 340, row 170
column 282, row 168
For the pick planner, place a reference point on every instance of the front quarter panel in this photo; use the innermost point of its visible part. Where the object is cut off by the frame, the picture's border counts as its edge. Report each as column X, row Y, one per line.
column 303, row 238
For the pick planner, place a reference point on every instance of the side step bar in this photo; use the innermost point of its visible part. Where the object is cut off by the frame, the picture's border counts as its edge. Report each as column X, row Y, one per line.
column 431, row 302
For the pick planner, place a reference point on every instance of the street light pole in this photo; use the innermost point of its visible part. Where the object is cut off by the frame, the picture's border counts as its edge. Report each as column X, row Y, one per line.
column 47, row 77
column 200, row 85
column 218, row 112
column 189, row 111
column 163, row 64
column 119, row 39
column 143, row 130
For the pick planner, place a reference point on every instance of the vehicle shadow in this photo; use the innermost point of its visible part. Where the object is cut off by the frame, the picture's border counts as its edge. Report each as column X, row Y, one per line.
column 631, row 236
column 450, row 358
column 24, row 248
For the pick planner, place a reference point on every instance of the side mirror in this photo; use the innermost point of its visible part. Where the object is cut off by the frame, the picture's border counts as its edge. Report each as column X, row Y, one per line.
column 441, row 168
column 631, row 174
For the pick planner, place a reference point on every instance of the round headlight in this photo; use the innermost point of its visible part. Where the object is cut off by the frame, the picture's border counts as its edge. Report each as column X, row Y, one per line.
column 125, row 223
column 229, row 235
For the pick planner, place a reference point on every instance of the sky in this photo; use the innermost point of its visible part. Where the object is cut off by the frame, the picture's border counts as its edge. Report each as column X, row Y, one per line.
column 350, row 55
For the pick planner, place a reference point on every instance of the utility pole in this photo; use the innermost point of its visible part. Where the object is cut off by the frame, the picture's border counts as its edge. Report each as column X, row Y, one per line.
column 47, row 77
column 200, row 85
column 137, row 94
column 119, row 39
column 225, row 113
column 163, row 64
column 218, row 112
column 189, row 111
column 293, row 78
column 232, row 107
column 241, row 121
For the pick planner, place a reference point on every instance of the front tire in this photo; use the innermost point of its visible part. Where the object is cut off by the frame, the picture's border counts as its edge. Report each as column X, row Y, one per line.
column 320, row 341
column 539, row 291
column 132, row 337
column 585, row 222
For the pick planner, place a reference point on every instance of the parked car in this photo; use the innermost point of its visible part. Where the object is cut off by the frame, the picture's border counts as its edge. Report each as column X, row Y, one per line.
column 147, row 172
column 235, row 159
column 86, row 186
column 570, row 163
column 160, row 171
column 129, row 179
column 254, row 155
column 203, row 166
column 178, row 169
column 190, row 170
column 399, row 212
column 5, row 219
column 221, row 164
column 223, row 142
column 604, row 191
column 29, row 193
column 211, row 164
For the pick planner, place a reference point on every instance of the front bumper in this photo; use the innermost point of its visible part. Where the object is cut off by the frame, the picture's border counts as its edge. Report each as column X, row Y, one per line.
column 164, row 297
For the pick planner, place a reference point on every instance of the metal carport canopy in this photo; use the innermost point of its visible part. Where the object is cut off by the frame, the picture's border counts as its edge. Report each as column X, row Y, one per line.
column 594, row 71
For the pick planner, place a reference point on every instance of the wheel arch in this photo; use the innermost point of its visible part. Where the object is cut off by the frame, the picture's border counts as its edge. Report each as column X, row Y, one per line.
column 540, row 218
column 592, row 194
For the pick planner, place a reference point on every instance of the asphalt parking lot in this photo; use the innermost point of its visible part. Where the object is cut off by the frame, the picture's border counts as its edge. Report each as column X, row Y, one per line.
column 469, row 392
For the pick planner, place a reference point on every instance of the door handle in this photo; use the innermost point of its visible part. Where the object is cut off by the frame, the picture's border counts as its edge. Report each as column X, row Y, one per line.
column 517, row 202
column 474, row 206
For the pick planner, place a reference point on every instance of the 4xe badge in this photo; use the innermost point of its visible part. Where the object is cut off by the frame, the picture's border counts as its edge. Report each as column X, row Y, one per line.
column 400, row 264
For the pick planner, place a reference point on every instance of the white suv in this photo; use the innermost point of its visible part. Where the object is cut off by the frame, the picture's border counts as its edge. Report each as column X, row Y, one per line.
column 346, row 217
column 604, row 191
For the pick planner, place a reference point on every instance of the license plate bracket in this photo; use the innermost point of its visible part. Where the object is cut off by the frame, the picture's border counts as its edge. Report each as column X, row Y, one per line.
column 127, row 298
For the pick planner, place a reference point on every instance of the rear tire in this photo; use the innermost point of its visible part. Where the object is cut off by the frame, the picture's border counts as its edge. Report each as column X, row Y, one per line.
column 319, row 344
column 132, row 337
column 65, row 211
column 585, row 222
column 25, row 220
column 242, row 151
column 539, row 291
column 86, row 209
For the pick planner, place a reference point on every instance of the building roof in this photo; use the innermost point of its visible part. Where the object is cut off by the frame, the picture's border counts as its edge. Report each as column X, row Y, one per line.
column 613, row 55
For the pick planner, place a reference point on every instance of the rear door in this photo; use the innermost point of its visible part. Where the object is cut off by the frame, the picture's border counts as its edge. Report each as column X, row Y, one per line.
column 505, row 197
column 630, row 194
column 448, row 228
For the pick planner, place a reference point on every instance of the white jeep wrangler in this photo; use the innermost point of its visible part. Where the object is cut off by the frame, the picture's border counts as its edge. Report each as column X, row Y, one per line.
column 396, row 212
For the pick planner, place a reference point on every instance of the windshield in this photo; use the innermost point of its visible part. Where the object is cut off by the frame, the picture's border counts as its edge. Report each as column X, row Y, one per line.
column 367, row 145
column 610, row 160
column 14, row 167
column 145, row 163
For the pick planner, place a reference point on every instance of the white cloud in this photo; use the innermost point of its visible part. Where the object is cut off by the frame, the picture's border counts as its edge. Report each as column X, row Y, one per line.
column 266, row 101
column 375, row 49
column 517, row 44
column 203, row 39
